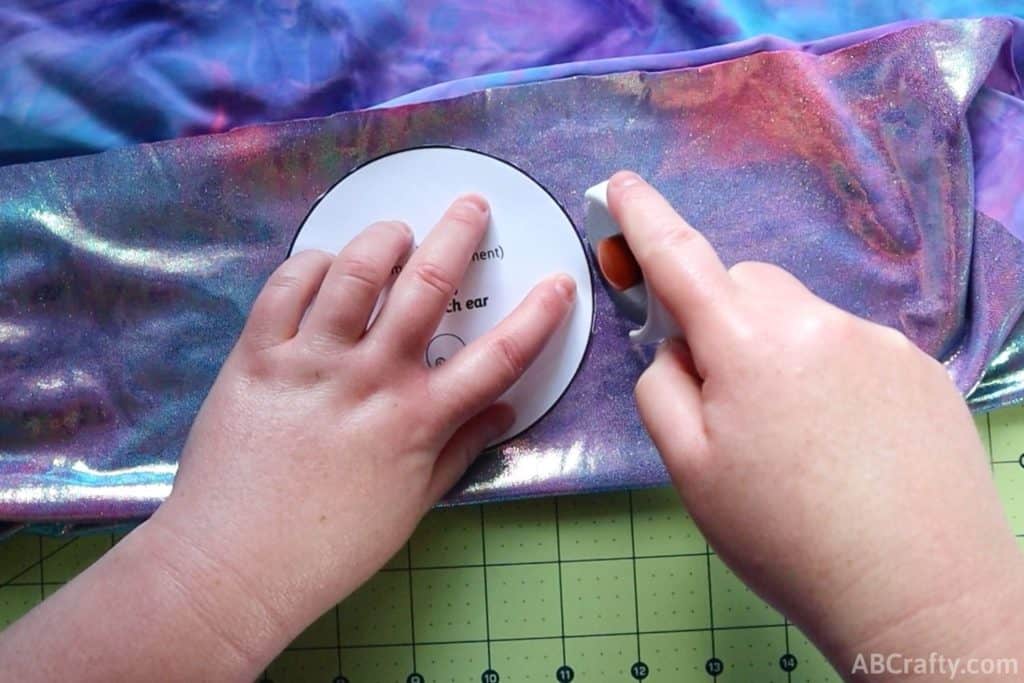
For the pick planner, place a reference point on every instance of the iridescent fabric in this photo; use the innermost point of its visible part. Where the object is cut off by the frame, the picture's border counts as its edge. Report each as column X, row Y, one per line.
column 90, row 75
column 880, row 171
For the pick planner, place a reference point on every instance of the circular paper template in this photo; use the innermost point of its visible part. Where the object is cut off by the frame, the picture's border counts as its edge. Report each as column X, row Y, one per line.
column 529, row 238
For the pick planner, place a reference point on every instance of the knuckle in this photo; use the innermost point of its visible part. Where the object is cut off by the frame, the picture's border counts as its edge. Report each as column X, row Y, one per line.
column 434, row 277
column 747, row 334
column 895, row 338
column 676, row 235
column 751, row 269
column 669, row 239
column 359, row 272
column 285, row 279
column 825, row 329
column 757, row 274
column 840, row 324
column 898, row 345
column 396, row 228
column 316, row 255
column 510, row 358
column 293, row 273
column 818, row 324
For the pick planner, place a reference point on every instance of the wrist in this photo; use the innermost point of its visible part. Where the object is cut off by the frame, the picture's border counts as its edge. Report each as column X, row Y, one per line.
column 274, row 553
column 971, row 617
column 229, row 615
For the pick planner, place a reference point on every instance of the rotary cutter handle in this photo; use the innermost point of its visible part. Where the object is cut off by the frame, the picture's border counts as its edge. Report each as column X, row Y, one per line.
column 620, row 270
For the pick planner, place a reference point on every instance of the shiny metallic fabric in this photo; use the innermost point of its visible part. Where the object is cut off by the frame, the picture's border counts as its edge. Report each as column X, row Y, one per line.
column 873, row 171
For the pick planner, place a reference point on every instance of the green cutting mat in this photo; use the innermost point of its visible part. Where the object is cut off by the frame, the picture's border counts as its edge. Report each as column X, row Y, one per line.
column 614, row 587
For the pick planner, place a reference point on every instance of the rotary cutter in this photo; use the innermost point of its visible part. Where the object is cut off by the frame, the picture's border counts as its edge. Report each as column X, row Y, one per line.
column 621, row 272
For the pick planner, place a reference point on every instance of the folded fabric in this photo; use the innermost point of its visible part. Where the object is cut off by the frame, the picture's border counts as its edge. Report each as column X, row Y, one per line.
column 91, row 75
column 883, row 169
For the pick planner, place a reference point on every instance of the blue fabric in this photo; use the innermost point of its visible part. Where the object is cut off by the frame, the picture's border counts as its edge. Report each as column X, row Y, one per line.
column 86, row 75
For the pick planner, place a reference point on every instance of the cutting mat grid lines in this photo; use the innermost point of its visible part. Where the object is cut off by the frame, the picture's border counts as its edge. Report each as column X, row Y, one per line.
column 609, row 587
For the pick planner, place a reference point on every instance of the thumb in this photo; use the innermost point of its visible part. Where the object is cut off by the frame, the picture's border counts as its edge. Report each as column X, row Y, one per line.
column 466, row 444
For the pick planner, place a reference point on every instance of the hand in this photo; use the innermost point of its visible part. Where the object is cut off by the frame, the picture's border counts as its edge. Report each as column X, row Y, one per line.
column 322, row 443
column 319, row 448
column 829, row 462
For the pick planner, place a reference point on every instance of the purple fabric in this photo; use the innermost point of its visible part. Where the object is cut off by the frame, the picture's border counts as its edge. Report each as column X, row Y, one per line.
column 652, row 62
column 126, row 276
column 87, row 75
column 997, row 132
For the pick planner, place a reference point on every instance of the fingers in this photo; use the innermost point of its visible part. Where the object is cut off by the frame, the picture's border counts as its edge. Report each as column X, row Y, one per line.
column 466, row 444
column 679, row 264
column 355, row 280
column 668, row 396
column 282, row 302
column 430, row 278
column 479, row 374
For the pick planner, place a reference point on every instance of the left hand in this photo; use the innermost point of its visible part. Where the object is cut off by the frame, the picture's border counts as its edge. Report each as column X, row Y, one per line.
column 322, row 442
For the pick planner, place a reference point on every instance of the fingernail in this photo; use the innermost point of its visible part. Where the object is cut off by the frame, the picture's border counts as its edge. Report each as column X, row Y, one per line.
column 625, row 179
column 566, row 287
column 475, row 201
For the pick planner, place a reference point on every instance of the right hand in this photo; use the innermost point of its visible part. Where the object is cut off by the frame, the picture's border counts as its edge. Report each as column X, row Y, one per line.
column 830, row 463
